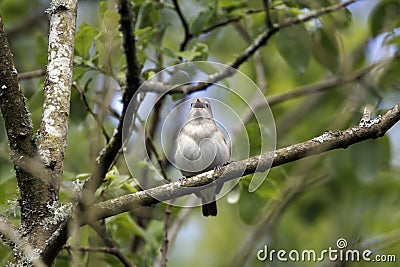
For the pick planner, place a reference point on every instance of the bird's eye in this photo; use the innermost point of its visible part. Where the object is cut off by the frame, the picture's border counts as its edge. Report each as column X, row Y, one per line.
column 191, row 104
column 206, row 104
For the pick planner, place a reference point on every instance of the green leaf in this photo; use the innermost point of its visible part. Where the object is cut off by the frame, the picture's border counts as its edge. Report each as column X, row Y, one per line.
column 294, row 44
column 203, row 52
column 79, row 71
column 325, row 50
column 368, row 157
column 41, row 50
column 384, row 17
column 149, row 14
column 188, row 55
column 123, row 224
column 390, row 79
column 201, row 21
column 84, row 39
column 229, row 5
column 198, row 52
column 250, row 204
column 111, row 19
column 143, row 30
column 253, row 133
column 103, row 7
column 340, row 19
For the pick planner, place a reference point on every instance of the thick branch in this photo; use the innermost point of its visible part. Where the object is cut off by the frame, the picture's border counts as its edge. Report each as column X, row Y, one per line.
column 13, row 107
column 108, row 154
column 328, row 141
column 23, row 151
column 57, row 89
column 38, row 170
column 21, row 249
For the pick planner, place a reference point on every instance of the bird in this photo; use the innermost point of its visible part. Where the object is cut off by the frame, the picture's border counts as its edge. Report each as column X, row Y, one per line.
column 201, row 146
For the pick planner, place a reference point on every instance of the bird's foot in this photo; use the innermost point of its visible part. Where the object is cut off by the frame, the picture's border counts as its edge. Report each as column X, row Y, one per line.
column 217, row 168
column 182, row 179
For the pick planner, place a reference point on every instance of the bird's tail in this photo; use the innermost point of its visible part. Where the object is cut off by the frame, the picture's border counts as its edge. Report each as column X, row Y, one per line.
column 209, row 209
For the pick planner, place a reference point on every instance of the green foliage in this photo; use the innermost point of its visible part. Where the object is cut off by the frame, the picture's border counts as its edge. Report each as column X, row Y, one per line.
column 294, row 45
column 384, row 17
column 326, row 51
column 84, row 40
column 350, row 193
column 202, row 19
column 389, row 79
column 41, row 50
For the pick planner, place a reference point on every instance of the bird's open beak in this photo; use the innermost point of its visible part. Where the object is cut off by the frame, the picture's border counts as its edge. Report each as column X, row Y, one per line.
column 198, row 104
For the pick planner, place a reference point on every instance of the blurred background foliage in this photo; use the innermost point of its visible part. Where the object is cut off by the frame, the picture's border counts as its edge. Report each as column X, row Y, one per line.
column 309, row 204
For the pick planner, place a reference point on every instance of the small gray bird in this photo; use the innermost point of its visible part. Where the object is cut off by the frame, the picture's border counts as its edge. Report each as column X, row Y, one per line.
column 201, row 146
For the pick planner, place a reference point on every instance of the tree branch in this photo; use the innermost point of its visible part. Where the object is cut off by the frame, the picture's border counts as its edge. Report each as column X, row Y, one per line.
column 113, row 251
column 13, row 107
column 185, row 25
column 57, row 89
column 39, row 169
column 259, row 41
column 30, row 171
column 108, row 154
column 329, row 83
column 268, row 21
column 21, row 249
column 31, row 74
column 312, row 89
column 225, row 22
column 91, row 112
column 328, row 141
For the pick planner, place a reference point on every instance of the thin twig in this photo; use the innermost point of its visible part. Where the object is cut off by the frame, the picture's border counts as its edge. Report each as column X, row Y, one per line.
column 258, row 60
column 176, row 226
column 108, row 154
column 327, row 84
column 164, row 244
column 112, row 251
column 268, row 21
column 31, row 74
column 159, row 159
column 187, row 34
column 91, row 112
column 310, row 89
column 165, row 241
column 381, row 241
column 229, row 21
column 101, row 230
column 259, row 42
